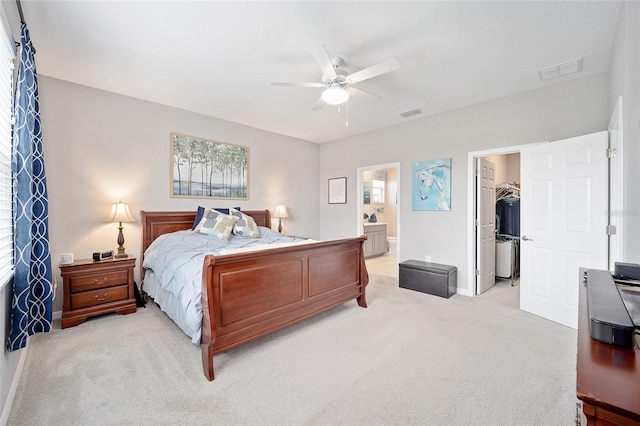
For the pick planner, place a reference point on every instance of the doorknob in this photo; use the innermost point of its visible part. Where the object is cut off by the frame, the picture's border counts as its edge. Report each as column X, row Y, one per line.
column 525, row 238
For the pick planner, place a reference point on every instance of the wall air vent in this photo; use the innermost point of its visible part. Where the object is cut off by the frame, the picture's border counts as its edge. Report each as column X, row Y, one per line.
column 559, row 70
column 411, row 113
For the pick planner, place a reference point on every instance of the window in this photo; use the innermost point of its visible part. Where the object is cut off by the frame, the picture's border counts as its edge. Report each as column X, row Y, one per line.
column 378, row 191
column 7, row 55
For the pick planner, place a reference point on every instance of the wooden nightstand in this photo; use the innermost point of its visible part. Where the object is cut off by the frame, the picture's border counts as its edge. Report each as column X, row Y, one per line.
column 94, row 288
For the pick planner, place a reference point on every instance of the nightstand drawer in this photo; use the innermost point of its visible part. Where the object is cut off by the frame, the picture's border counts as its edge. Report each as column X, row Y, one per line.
column 99, row 297
column 97, row 281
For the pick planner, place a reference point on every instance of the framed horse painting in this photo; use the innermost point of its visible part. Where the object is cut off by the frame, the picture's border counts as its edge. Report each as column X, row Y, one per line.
column 431, row 185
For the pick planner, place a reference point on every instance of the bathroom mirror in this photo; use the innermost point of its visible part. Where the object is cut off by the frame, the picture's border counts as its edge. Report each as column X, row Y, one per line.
column 378, row 191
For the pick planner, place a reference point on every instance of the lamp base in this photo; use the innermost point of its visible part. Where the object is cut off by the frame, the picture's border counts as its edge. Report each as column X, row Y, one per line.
column 121, row 254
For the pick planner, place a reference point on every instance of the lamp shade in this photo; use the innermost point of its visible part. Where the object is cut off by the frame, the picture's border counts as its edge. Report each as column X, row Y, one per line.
column 120, row 213
column 335, row 95
column 281, row 211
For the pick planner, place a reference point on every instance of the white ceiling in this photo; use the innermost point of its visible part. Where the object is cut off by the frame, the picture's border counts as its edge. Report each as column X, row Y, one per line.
column 218, row 58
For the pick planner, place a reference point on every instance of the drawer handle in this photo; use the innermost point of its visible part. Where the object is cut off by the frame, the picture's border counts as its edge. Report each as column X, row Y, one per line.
column 101, row 299
column 102, row 281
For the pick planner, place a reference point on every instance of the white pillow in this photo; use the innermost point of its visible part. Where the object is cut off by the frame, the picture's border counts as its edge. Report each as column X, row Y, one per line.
column 245, row 226
column 217, row 224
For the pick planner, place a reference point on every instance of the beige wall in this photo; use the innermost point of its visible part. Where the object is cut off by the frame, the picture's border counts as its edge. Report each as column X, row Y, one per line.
column 555, row 112
column 390, row 206
column 507, row 167
column 101, row 147
column 499, row 167
column 513, row 168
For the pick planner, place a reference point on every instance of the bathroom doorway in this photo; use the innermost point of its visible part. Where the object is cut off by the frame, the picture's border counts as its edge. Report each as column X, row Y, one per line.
column 378, row 216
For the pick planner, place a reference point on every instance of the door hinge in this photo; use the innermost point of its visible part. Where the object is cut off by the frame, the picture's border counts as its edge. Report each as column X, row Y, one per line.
column 477, row 222
column 611, row 152
column 611, row 230
column 477, row 272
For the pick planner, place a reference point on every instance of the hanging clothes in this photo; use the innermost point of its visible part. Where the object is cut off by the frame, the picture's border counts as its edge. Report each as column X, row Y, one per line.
column 508, row 215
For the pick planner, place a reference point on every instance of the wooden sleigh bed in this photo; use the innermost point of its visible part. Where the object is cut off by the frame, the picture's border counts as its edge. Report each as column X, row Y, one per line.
column 248, row 295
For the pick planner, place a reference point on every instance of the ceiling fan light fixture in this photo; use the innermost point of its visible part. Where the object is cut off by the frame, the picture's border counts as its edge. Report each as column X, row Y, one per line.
column 335, row 95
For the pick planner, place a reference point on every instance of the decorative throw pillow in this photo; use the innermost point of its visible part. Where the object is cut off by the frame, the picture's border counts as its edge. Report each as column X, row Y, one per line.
column 217, row 224
column 200, row 212
column 245, row 226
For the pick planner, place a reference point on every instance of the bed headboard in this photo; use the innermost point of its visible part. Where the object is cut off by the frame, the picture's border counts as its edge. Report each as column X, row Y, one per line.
column 155, row 224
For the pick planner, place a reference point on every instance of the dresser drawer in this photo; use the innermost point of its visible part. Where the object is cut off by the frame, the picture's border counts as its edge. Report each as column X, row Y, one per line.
column 99, row 297
column 87, row 282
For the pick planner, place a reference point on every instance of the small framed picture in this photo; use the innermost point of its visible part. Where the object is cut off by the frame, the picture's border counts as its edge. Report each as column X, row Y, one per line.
column 338, row 190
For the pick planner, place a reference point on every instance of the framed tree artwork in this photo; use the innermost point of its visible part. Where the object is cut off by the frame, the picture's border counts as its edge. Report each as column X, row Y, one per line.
column 205, row 168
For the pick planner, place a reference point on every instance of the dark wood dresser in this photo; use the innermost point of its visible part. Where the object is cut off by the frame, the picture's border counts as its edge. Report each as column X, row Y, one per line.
column 94, row 288
column 608, row 377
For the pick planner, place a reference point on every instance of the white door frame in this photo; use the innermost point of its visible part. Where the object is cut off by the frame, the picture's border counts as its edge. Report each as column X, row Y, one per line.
column 616, row 186
column 471, row 209
column 360, row 195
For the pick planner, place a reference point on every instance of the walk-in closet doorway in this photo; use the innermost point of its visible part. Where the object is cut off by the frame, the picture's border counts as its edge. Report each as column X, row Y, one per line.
column 498, row 208
column 564, row 190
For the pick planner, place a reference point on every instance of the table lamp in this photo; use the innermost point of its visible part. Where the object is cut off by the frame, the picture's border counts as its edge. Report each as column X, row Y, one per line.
column 281, row 211
column 120, row 213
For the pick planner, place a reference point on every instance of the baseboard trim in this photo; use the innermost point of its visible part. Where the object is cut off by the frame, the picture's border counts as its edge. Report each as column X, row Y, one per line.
column 464, row 292
column 16, row 377
column 14, row 386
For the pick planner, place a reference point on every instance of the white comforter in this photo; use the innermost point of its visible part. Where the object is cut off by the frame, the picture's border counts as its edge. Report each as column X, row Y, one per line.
column 173, row 264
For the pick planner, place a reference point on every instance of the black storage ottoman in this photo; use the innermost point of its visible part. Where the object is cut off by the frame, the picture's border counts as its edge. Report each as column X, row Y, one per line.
column 426, row 277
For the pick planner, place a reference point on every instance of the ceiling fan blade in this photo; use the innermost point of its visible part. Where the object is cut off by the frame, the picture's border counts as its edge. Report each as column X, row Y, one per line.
column 355, row 91
column 324, row 60
column 285, row 83
column 319, row 105
column 374, row 71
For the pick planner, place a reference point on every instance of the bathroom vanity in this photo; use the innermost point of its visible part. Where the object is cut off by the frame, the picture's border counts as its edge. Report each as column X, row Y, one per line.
column 376, row 243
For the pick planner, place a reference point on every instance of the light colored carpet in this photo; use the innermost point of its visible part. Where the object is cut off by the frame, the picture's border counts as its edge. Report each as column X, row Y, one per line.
column 410, row 358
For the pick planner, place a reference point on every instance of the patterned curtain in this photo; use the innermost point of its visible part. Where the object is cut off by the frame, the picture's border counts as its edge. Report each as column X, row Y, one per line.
column 32, row 290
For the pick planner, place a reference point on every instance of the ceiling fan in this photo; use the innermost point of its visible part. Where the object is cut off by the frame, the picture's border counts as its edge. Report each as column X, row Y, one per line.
column 338, row 84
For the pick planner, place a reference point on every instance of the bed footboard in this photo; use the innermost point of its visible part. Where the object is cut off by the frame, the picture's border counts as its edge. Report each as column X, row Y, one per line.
column 248, row 295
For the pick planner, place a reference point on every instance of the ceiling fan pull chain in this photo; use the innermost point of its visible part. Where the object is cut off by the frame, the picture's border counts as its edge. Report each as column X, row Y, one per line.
column 346, row 123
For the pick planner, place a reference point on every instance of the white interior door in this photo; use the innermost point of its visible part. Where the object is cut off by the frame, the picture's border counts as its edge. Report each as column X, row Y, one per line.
column 563, row 222
column 485, row 231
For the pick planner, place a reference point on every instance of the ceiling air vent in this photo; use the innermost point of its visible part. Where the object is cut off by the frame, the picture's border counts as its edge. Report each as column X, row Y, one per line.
column 559, row 70
column 410, row 113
